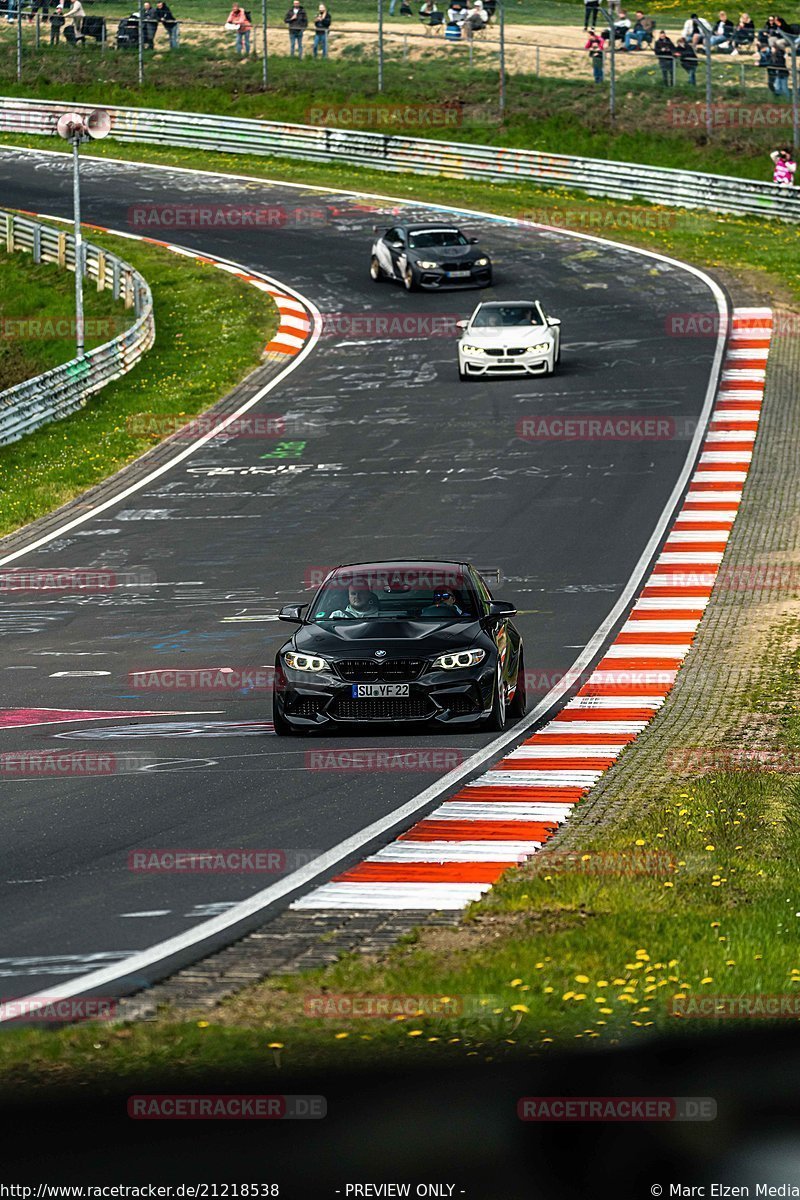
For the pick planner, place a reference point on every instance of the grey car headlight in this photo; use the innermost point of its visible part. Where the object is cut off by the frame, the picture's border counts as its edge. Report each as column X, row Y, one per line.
column 305, row 662
column 426, row 265
column 459, row 658
column 481, row 262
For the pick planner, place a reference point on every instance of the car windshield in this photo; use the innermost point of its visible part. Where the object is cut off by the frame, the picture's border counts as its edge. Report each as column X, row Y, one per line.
column 505, row 315
column 396, row 594
column 428, row 239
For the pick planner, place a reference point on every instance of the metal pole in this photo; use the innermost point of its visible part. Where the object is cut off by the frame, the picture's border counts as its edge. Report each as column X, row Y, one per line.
column 502, row 7
column 19, row 40
column 612, row 95
column 38, row 31
column 709, row 121
column 793, row 51
column 141, row 42
column 380, row 45
column 76, row 205
column 537, row 60
column 264, row 44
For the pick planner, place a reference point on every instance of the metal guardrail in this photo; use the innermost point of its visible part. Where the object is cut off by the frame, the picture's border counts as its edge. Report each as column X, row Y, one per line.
column 66, row 388
column 391, row 152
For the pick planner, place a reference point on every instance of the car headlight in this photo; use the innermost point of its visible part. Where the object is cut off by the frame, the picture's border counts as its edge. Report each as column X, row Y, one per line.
column 481, row 262
column 542, row 348
column 425, row 265
column 473, row 349
column 460, row 658
column 305, row 662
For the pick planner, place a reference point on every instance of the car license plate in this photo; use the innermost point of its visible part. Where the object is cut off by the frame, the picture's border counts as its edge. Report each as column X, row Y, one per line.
column 362, row 691
column 458, row 274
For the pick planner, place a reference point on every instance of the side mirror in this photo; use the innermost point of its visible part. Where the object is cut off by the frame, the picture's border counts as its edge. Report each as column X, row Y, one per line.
column 293, row 613
column 396, row 246
column 499, row 608
column 462, row 324
column 473, row 241
column 553, row 321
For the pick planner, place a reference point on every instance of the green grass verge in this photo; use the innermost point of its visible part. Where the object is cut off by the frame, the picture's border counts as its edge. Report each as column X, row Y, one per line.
column 556, row 116
column 210, row 332
column 668, row 913
column 37, row 309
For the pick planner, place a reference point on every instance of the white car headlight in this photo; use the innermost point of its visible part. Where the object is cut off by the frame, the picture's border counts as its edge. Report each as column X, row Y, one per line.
column 541, row 348
column 459, row 658
column 305, row 662
column 473, row 349
column 427, row 265
column 481, row 262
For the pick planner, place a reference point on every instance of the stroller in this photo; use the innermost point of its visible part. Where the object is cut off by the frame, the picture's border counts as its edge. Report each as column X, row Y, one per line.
column 128, row 33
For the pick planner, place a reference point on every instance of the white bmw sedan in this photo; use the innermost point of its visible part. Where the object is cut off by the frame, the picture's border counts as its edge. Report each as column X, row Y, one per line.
column 509, row 337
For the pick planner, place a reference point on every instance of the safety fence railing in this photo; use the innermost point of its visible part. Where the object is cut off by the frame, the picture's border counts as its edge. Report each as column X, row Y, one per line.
column 423, row 156
column 66, row 388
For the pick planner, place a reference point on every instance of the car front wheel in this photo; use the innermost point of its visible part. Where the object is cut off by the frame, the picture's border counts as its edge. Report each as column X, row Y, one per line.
column 375, row 270
column 519, row 702
column 409, row 280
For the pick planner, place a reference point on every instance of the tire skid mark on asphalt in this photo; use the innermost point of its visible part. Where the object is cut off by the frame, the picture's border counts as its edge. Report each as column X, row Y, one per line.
column 455, row 854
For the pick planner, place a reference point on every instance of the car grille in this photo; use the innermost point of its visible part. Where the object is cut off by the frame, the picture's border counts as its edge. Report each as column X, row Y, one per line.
column 308, row 706
column 456, row 266
column 458, row 705
column 502, row 351
column 399, row 708
column 368, row 670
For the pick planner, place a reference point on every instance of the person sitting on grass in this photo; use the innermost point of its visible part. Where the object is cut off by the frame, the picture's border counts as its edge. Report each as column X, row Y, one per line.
column 477, row 19
column 743, row 35
column 636, row 34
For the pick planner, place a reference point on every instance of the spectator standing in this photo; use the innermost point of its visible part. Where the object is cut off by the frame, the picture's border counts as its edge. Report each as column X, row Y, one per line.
column 763, row 58
column 779, row 69
column 687, row 57
column 591, row 9
column 297, row 21
column 150, row 23
column 664, row 50
column 322, row 23
column 239, row 20
column 165, row 17
column 785, row 167
column 594, row 48
column 56, row 25
column 77, row 13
